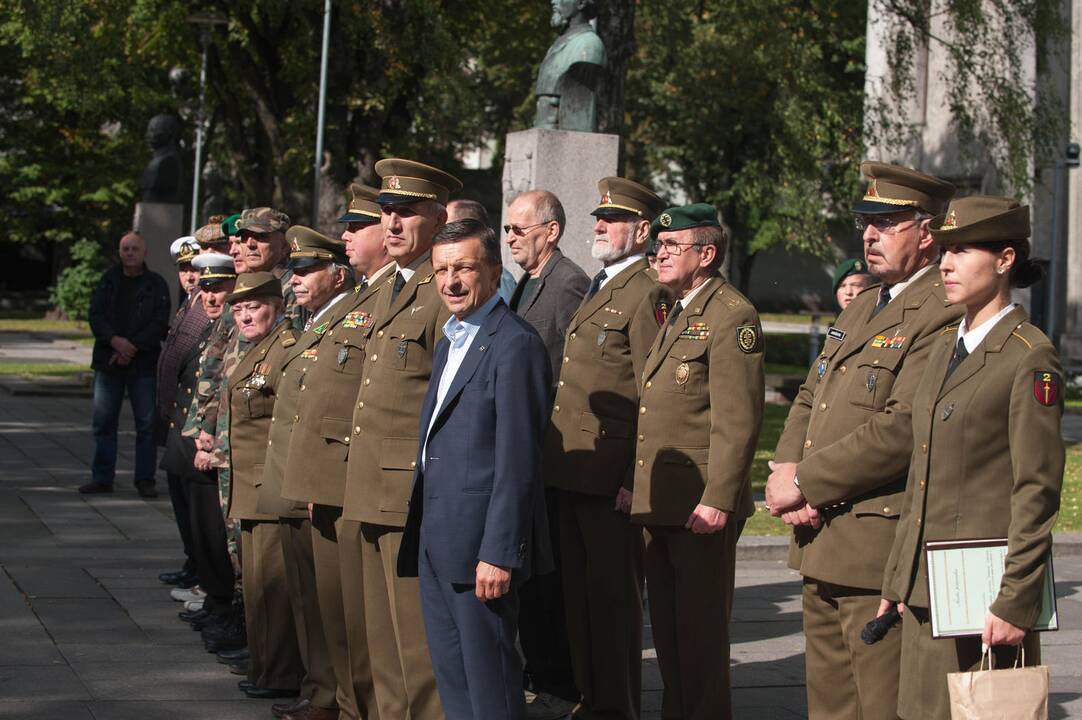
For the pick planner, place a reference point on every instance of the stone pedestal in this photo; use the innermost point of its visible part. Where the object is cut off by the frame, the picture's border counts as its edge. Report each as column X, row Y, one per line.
column 568, row 164
column 160, row 224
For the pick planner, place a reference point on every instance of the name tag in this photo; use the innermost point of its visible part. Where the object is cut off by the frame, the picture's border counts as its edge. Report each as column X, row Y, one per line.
column 835, row 333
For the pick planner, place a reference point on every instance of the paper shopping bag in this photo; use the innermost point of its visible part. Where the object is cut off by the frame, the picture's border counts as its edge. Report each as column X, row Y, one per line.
column 1018, row 693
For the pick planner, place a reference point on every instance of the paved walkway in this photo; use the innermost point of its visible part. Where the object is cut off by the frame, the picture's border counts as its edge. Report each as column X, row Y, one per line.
column 89, row 634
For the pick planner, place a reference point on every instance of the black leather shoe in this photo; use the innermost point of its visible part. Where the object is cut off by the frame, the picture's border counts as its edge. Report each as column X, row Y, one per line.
column 191, row 616
column 259, row 693
column 283, row 709
column 239, row 668
column 93, row 488
column 245, row 684
column 232, row 642
column 175, row 578
column 232, row 656
column 146, row 489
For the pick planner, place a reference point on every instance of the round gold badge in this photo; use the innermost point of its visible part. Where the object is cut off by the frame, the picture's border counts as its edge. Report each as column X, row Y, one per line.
column 747, row 338
column 683, row 372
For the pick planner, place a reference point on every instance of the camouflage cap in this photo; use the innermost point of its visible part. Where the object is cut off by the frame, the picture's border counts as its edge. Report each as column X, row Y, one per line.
column 211, row 233
column 229, row 225
column 620, row 196
column 215, row 268
column 308, row 247
column 251, row 286
column 893, row 188
column 184, row 249
column 406, row 181
column 852, row 266
column 263, row 220
column 363, row 207
column 982, row 219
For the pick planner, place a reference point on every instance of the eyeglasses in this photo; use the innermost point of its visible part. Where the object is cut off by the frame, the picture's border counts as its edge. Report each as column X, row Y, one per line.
column 671, row 247
column 882, row 223
column 520, row 231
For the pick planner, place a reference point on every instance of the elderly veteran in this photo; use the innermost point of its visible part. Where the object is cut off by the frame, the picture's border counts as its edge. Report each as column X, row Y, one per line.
column 988, row 454
column 851, row 278
column 322, row 286
column 700, row 414
column 383, row 448
column 211, row 237
column 235, row 248
column 840, row 465
column 181, row 347
column 207, row 529
column 262, row 233
column 589, row 457
column 274, row 666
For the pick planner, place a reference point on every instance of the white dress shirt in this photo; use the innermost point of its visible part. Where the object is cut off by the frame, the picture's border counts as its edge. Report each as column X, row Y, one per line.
column 973, row 338
column 618, row 267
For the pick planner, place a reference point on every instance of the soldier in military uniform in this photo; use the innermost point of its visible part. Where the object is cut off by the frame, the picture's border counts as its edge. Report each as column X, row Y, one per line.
column 589, row 455
column 700, row 412
column 215, row 571
column 274, row 668
column 211, row 237
column 324, row 289
column 383, row 449
column 840, row 466
column 988, row 452
column 851, row 278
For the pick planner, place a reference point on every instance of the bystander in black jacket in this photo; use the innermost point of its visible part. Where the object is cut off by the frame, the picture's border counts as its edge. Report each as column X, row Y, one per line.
column 136, row 308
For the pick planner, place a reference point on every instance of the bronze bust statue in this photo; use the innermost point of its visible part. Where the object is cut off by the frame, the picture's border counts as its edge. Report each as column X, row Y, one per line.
column 568, row 80
column 160, row 181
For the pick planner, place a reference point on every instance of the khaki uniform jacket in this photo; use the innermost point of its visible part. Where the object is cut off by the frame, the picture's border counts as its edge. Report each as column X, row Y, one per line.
column 319, row 443
column 250, row 389
column 987, row 462
column 387, row 414
column 850, row 430
column 701, row 410
column 298, row 362
column 590, row 444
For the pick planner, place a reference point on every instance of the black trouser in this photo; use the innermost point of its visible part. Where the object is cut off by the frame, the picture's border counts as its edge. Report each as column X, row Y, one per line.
column 542, row 624
column 209, row 550
column 178, row 495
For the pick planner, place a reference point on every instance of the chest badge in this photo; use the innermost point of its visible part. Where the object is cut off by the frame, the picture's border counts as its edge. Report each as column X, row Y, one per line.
column 870, row 382
column 601, row 338
column 683, row 372
column 401, row 349
column 947, row 411
column 343, row 355
column 821, row 369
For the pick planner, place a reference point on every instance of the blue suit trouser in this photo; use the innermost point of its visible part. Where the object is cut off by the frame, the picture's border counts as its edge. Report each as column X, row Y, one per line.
column 472, row 644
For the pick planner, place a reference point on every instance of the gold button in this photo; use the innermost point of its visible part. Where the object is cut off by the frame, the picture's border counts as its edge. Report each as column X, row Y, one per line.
column 922, row 483
column 603, row 433
column 302, row 387
column 807, row 443
column 641, row 437
column 360, row 405
column 606, row 324
column 641, row 463
column 172, row 425
column 924, row 447
column 842, row 369
column 566, row 359
column 413, row 464
column 886, row 510
column 557, row 408
column 368, row 381
column 356, row 429
column 875, row 362
column 649, row 383
column 822, row 406
column 375, row 357
column 270, row 442
column 346, row 439
column 642, row 410
column 189, row 391
column 918, row 521
column 572, row 336
column 561, row 383
column 295, row 418
column 330, row 333
column 379, row 334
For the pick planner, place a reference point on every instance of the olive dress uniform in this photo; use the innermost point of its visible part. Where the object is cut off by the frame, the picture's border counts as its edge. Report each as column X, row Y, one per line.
column 987, row 462
column 272, row 639
column 589, row 455
column 382, row 457
column 700, row 413
column 316, row 473
column 849, row 431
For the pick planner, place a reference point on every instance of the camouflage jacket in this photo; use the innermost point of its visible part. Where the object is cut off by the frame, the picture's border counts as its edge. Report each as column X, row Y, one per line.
column 203, row 414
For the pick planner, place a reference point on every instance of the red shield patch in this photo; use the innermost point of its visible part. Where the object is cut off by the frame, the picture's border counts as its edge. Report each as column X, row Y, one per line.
column 1046, row 387
column 661, row 312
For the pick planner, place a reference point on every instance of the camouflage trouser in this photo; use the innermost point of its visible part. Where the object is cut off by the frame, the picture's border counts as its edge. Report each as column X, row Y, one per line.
column 232, row 527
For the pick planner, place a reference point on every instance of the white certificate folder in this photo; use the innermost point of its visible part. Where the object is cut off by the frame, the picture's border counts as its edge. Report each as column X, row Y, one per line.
column 964, row 577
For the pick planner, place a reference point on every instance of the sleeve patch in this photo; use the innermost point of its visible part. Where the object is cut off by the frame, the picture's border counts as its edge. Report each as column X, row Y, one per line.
column 747, row 338
column 1046, row 387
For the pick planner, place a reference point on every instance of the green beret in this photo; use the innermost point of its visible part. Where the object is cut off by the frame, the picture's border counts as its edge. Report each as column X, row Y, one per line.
column 852, row 266
column 255, row 285
column 685, row 217
column 229, row 227
column 982, row 219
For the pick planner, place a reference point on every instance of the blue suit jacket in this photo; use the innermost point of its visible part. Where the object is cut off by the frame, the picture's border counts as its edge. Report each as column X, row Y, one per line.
column 479, row 495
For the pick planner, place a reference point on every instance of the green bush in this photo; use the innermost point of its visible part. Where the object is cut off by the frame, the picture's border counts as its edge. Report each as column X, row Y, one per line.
column 76, row 282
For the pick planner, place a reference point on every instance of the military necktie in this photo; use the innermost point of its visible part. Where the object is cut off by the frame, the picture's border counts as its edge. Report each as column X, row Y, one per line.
column 399, row 283
column 884, row 298
column 960, row 354
column 595, row 284
column 673, row 314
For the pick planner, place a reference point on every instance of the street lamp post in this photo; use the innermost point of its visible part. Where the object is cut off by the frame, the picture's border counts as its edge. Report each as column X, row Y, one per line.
column 206, row 23
column 322, row 110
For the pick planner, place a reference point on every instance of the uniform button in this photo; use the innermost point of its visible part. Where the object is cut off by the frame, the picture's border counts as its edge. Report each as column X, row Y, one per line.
column 302, row 387
column 924, row 447
column 560, row 384
column 605, row 324
column 557, row 408
column 379, row 334
column 368, row 381
column 356, row 429
column 603, row 433
column 842, row 369
column 641, row 437
column 272, row 418
column 566, row 359
column 822, row 406
column 270, row 442
column 360, row 405
column 649, row 383
column 918, row 521
column 922, row 483
column 413, row 464
column 886, row 510
column 572, row 336
column 346, row 439
column 641, row 463
column 375, row 357
column 189, row 391
column 875, row 362
column 807, row 443
column 172, row 425
column 295, row 418
column 642, row 410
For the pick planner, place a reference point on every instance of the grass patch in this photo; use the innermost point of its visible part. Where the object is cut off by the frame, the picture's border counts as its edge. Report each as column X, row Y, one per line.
column 67, row 328
column 796, row 318
column 786, row 369
column 773, row 422
column 40, row 369
column 1070, row 508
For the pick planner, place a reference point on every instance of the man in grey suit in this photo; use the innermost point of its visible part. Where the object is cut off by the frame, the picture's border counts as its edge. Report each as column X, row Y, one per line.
column 547, row 296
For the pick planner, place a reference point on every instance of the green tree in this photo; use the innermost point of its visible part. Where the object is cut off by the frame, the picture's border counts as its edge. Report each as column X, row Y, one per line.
column 76, row 283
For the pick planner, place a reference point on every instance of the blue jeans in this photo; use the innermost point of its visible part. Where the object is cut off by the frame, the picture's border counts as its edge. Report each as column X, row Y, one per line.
column 108, row 396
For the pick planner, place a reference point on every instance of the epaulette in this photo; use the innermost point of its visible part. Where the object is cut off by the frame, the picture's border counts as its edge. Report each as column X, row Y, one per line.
column 287, row 338
column 1036, row 336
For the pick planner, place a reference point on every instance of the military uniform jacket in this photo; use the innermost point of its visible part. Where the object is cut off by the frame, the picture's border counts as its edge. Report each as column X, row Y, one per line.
column 700, row 411
column 319, row 444
column 987, row 462
column 386, row 416
column 179, row 454
column 850, row 430
column 590, row 444
column 294, row 383
column 250, row 389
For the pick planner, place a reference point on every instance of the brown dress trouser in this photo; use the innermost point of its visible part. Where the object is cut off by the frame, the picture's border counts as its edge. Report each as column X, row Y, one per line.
column 275, row 661
column 320, row 685
column 602, row 584
column 845, row 677
column 922, row 690
column 690, row 581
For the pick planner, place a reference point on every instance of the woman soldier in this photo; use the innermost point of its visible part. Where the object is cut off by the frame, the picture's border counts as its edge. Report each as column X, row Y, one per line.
column 987, row 451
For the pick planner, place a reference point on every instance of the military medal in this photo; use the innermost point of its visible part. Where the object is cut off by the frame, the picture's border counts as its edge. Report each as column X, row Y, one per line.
column 683, row 372
column 343, row 355
column 821, row 369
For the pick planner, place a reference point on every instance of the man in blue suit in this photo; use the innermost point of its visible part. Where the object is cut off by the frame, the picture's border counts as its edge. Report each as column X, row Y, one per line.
column 476, row 527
